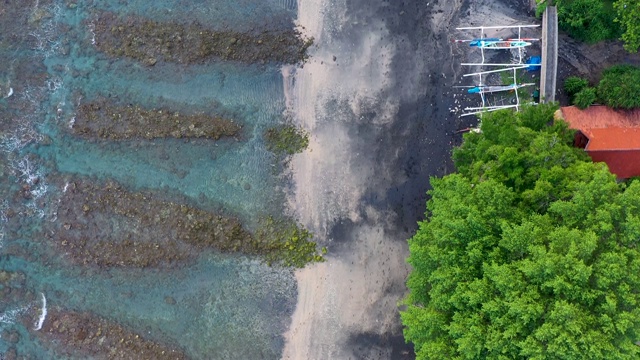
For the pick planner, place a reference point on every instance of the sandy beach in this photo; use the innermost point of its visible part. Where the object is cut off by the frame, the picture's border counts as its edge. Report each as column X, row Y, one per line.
column 377, row 99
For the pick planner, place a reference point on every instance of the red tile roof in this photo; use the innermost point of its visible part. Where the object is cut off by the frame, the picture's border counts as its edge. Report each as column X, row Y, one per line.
column 606, row 128
column 614, row 136
column 600, row 117
column 613, row 139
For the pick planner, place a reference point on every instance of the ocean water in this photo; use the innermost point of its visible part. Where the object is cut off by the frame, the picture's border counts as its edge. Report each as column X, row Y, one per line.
column 217, row 307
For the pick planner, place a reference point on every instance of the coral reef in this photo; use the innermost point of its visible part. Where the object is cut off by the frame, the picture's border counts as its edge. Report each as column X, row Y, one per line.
column 89, row 336
column 110, row 226
column 149, row 41
column 107, row 121
column 107, row 225
column 13, row 291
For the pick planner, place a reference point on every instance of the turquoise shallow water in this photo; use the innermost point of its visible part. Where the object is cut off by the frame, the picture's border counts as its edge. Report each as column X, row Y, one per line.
column 226, row 306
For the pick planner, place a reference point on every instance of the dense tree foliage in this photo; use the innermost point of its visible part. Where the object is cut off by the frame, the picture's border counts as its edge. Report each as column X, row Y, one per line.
column 530, row 251
column 629, row 18
column 588, row 20
column 620, row 87
column 597, row 20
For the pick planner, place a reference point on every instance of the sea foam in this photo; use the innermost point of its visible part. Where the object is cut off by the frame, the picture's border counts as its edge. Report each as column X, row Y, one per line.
column 43, row 313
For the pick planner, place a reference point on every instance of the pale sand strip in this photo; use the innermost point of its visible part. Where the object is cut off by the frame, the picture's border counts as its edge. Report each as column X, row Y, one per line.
column 356, row 291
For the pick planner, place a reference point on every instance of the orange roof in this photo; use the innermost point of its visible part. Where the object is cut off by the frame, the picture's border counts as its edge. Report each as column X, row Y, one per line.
column 613, row 139
column 614, row 136
column 599, row 117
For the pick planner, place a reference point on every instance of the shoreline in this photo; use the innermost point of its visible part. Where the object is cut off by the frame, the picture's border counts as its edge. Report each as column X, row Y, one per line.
column 360, row 186
column 376, row 97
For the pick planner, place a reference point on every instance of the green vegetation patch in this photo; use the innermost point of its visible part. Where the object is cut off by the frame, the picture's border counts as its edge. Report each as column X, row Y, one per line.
column 596, row 20
column 286, row 140
column 620, row 87
column 530, row 251
column 286, row 242
column 573, row 85
column 149, row 41
column 629, row 20
column 585, row 97
column 100, row 119
column 588, row 20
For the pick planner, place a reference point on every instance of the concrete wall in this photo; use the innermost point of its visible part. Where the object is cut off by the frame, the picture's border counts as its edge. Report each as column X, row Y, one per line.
column 549, row 55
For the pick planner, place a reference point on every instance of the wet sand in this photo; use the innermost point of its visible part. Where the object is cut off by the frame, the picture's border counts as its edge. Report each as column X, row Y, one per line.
column 377, row 99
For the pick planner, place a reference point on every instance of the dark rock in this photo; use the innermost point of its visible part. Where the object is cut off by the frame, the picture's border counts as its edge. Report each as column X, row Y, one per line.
column 14, row 337
column 11, row 354
column 170, row 300
column 150, row 61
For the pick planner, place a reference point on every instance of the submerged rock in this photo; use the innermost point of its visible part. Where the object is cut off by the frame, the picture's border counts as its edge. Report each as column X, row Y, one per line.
column 106, row 225
column 86, row 335
column 100, row 119
column 170, row 300
column 144, row 39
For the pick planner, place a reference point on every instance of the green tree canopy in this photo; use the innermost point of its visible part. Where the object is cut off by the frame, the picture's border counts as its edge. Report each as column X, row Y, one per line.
column 588, row 20
column 597, row 20
column 629, row 18
column 530, row 251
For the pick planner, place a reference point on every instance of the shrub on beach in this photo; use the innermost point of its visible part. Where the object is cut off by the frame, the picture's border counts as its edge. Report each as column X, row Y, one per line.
column 585, row 97
column 573, row 84
column 620, row 87
column 286, row 139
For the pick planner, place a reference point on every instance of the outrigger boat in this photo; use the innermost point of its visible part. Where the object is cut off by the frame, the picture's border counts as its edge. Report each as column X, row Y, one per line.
column 495, row 43
column 498, row 43
column 488, row 89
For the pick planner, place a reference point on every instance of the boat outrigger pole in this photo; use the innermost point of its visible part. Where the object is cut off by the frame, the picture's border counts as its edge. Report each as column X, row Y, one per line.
column 495, row 71
column 486, row 109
